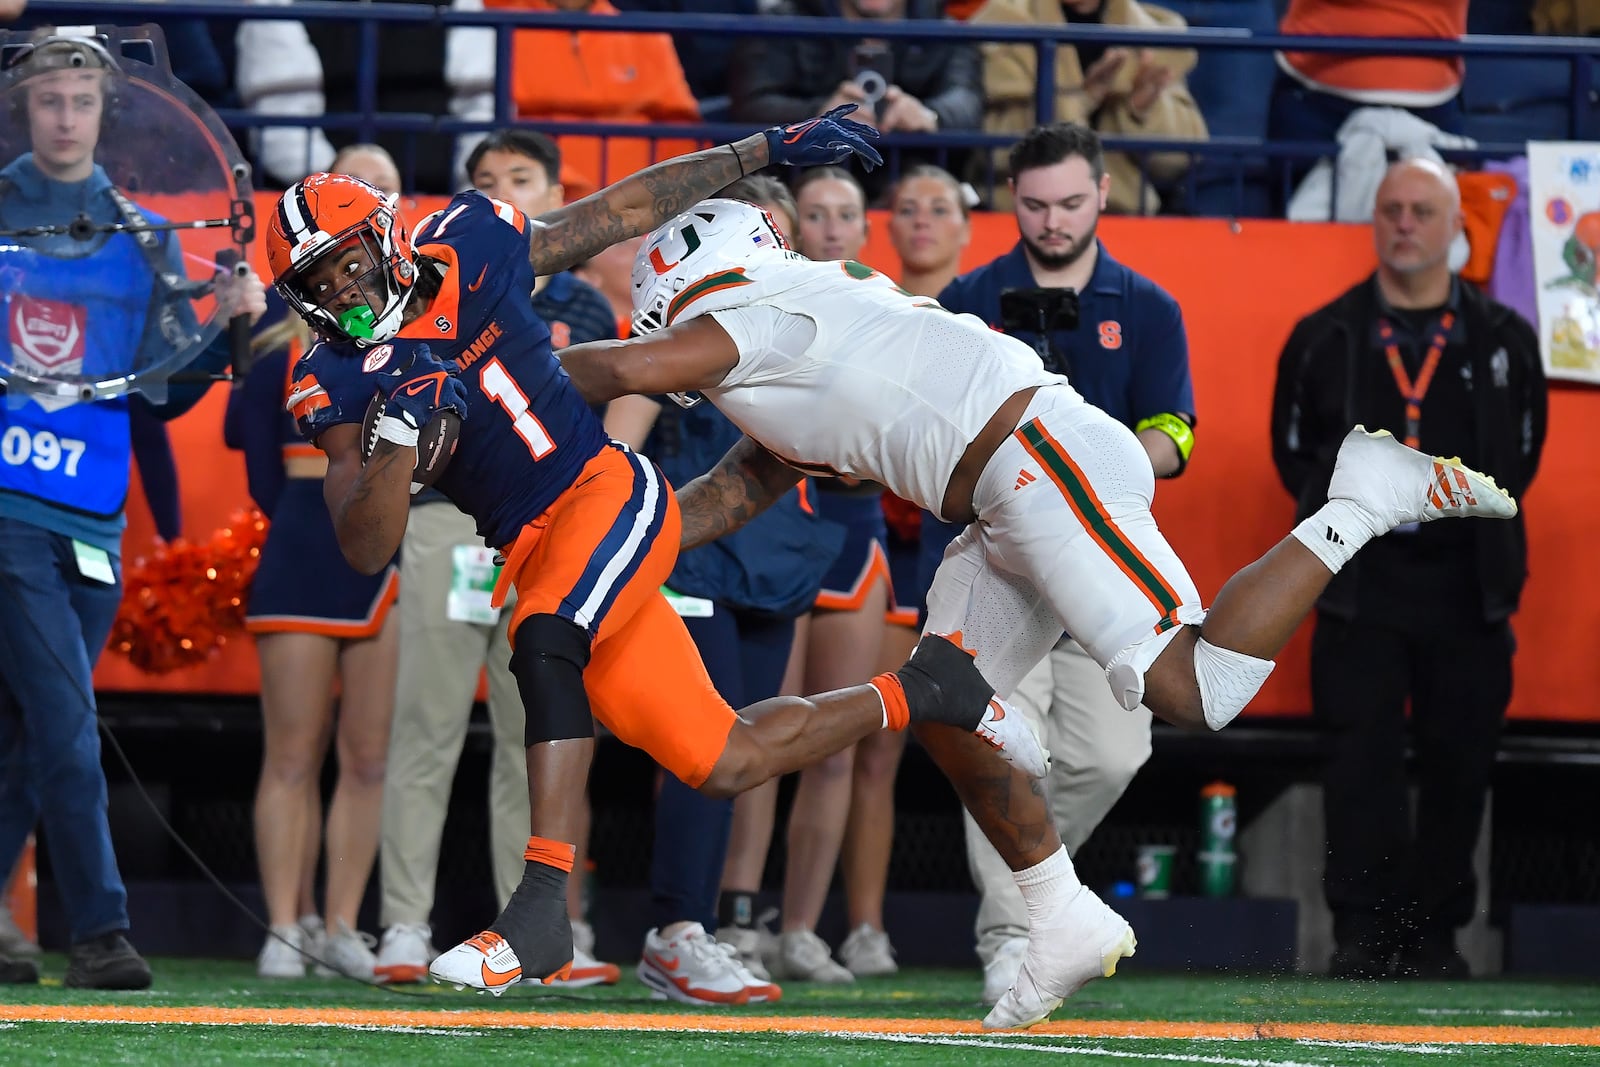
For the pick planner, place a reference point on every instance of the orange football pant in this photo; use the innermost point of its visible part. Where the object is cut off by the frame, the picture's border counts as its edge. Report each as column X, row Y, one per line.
column 598, row 557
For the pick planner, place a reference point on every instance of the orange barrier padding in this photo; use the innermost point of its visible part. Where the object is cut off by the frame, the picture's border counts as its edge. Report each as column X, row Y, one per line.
column 1242, row 286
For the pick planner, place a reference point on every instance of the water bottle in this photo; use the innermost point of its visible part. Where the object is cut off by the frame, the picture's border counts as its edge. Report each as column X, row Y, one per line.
column 1219, row 819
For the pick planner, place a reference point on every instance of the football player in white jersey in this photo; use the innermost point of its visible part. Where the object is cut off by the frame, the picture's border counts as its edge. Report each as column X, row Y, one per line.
column 831, row 368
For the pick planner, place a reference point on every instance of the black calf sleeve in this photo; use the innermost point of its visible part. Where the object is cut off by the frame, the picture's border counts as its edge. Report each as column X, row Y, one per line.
column 942, row 684
column 548, row 662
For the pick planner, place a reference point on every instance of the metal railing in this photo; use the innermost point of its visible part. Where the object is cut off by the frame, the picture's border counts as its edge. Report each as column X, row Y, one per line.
column 1237, row 153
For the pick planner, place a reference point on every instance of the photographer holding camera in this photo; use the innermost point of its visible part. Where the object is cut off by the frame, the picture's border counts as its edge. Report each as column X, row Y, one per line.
column 1120, row 339
column 904, row 86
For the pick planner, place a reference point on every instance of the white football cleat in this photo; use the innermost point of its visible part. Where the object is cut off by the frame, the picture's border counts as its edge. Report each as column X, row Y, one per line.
column 1006, row 730
column 1080, row 940
column 486, row 963
column 1400, row 485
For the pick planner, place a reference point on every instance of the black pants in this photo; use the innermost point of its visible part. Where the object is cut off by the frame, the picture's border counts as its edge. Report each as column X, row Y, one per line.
column 1385, row 884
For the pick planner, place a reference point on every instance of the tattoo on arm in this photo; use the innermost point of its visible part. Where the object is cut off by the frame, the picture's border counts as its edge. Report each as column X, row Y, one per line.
column 569, row 235
column 743, row 484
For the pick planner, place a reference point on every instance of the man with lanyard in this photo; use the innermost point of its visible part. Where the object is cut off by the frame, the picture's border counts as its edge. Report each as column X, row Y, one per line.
column 1120, row 339
column 1424, row 615
column 64, row 482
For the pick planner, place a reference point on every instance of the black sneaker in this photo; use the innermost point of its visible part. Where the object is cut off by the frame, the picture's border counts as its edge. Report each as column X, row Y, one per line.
column 14, row 971
column 106, row 962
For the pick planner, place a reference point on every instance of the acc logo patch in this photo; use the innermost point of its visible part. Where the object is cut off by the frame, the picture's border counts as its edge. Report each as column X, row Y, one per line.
column 376, row 358
column 1111, row 334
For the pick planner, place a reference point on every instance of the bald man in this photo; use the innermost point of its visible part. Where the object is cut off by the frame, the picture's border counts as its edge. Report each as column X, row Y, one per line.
column 1423, row 616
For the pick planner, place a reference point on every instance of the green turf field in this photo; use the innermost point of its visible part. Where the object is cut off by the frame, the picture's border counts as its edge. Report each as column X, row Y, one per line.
column 218, row 1012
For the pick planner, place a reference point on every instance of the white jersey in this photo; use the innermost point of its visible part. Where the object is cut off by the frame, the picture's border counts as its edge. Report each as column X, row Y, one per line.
column 891, row 387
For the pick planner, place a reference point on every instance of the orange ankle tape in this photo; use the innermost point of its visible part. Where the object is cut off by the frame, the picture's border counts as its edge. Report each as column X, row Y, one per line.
column 557, row 854
column 895, row 709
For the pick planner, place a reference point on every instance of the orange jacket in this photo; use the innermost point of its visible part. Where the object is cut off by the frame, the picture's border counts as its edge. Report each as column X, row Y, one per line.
column 1429, row 79
column 575, row 75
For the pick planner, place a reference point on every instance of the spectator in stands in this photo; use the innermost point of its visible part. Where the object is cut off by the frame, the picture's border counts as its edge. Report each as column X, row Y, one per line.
column 61, row 523
column 582, row 76
column 1424, row 614
column 1121, row 340
column 1129, row 92
column 740, row 598
column 309, row 69
column 706, row 57
column 1316, row 91
column 449, row 634
column 901, row 85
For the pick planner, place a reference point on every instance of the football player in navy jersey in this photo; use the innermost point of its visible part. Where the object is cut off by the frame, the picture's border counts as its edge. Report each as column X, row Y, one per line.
column 589, row 529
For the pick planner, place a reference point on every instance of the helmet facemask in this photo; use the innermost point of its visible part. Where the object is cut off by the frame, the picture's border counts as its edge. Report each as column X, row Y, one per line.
column 353, row 285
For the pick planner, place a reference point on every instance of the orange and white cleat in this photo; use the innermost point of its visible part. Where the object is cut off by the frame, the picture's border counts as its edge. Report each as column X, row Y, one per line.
column 1399, row 485
column 1006, row 729
column 486, row 963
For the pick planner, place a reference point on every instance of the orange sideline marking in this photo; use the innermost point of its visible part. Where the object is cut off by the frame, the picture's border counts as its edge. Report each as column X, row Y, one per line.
column 745, row 1024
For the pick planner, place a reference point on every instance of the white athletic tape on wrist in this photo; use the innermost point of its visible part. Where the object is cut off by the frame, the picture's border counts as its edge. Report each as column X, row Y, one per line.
column 397, row 431
column 1228, row 680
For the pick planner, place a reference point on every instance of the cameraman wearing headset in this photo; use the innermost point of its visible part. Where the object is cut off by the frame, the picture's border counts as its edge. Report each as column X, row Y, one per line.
column 1120, row 339
column 112, row 301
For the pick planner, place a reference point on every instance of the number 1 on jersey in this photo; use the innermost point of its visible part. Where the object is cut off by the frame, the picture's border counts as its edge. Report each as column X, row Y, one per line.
column 503, row 390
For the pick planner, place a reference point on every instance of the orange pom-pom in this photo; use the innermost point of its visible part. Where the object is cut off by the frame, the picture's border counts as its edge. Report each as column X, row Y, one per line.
column 180, row 603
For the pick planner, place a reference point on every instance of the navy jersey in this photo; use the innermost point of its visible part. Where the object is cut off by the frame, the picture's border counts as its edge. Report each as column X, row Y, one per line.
column 528, row 433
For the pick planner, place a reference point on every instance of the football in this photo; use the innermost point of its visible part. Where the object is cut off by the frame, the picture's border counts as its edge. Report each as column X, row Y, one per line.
column 436, row 442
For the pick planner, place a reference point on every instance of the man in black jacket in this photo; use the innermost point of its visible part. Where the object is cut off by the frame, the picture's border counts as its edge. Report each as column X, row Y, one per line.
column 902, row 86
column 1423, row 614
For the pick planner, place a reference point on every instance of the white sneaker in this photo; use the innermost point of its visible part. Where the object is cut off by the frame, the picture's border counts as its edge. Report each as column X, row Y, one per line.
column 404, row 952
column 805, row 957
column 1006, row 730
column 1077, row 940
column 866, row 953
column 692, row 968
column 280, row 955
column 316, row 935
column 348, row 952
column 587, row 971
column 1001, row 970
column 583, row 936
column 745, row 944
column 1400, row 485
column 762, row 989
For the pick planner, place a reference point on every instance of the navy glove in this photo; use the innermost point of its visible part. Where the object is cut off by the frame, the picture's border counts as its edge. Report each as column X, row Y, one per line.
column 828, row 139
column 428, row 388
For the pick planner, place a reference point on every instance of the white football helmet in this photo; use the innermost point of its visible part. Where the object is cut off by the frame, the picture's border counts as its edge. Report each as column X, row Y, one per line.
column 711, row 238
